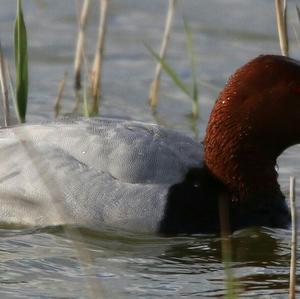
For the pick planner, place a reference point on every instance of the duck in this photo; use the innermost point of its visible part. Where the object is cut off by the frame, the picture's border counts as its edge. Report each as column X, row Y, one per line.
column 134, row 176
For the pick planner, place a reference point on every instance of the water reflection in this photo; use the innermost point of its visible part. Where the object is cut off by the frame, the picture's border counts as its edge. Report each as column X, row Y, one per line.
column 260, row 258
column 139, row 264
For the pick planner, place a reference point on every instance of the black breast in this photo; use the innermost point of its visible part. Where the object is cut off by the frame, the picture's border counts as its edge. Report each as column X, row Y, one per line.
column 193, row 207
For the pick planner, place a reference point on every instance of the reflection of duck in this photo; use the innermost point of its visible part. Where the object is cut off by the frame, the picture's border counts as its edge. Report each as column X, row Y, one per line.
column 143, row 177
column 205, row 250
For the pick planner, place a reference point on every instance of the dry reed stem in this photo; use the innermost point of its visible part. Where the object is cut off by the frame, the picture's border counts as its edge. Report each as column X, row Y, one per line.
column 294, row 28
column 93, row 285
column 153, row 94
column 11, row 87
column 98, row 60
column 281, row 17
column 4, row 89
column 78, row 101
column 292, row 290
column 298, row 12
column 80, row 43
column 61, row 88
column 296, row 36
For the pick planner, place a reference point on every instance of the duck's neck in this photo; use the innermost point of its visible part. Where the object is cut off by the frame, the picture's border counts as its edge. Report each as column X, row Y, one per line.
column 246, row 169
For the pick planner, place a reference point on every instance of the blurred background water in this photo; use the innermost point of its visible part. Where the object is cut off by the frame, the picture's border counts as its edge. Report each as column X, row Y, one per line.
column 44, row 263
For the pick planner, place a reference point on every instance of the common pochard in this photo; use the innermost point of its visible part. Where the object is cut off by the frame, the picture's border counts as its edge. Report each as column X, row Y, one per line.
column 143, row 177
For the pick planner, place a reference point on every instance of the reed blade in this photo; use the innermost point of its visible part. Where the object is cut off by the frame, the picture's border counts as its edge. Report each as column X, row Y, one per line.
column 171, row 73
column 61, row 87
column 21, row 63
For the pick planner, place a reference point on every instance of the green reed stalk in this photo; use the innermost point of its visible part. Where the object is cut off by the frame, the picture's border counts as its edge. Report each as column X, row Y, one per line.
column 21, row 62
column 86, row 110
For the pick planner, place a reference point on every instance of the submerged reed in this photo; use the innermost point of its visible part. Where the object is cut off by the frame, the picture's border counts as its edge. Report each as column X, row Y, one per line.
column 21, row 63
column 230, row 284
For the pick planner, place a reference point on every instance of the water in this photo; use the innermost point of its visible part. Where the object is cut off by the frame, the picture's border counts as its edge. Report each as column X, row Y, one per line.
column 45, row 263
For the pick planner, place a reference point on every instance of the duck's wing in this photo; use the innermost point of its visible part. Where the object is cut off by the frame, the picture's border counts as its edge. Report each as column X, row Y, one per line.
column 43, row 185
column 91, row 172
column 129, row 151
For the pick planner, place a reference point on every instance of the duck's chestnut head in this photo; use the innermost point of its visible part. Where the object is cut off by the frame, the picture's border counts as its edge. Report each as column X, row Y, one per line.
column 268, row 98
column 256, row 117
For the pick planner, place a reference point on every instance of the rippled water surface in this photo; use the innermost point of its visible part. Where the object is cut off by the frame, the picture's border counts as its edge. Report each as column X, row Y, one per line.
column 45, row 263
column 60, row 262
